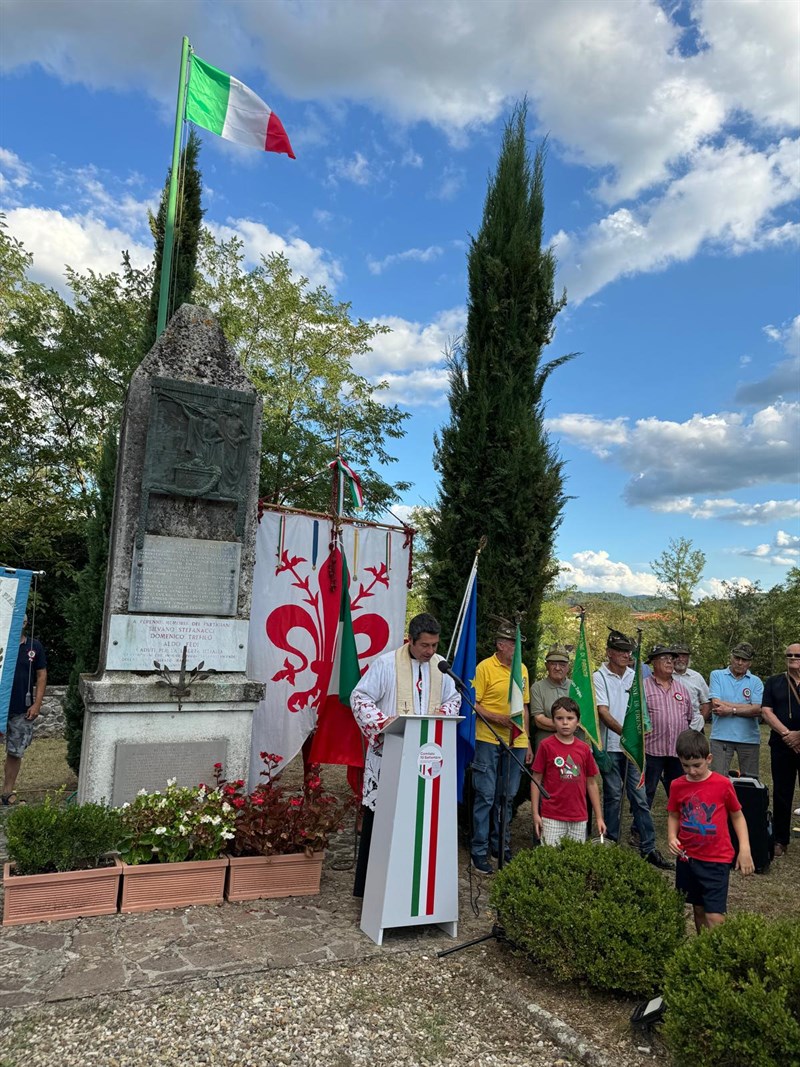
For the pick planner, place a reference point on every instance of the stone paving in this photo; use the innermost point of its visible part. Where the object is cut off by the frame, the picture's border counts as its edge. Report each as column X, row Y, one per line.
column 73, row 958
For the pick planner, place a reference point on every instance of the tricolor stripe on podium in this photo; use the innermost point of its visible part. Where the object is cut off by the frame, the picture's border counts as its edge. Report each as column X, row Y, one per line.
column 426, row 838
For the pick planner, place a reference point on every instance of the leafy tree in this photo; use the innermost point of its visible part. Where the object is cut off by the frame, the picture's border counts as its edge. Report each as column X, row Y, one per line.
column 188, row 224
column 296, row 344
column 679, row 568
column 500, row 473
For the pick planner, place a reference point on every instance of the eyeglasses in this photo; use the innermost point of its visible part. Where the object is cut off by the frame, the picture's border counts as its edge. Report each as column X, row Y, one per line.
column 793, row 655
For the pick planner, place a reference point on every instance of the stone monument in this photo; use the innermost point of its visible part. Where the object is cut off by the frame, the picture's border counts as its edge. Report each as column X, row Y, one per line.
column 171, row 696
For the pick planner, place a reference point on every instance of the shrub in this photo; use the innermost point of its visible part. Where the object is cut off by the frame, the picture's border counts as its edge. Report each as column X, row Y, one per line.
column 48, row 837
column 732, row 995
column 586, row 912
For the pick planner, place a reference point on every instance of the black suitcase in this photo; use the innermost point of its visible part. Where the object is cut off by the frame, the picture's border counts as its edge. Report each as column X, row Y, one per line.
column 753, row 795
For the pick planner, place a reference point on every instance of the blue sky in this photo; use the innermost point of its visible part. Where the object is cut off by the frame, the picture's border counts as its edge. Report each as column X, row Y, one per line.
column 672, row 203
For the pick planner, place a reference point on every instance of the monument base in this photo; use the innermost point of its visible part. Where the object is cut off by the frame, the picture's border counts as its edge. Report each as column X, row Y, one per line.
column 135, row 736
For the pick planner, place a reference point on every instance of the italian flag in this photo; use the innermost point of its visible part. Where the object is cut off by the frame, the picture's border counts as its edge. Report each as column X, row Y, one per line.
column 225, row 106
column 516, row 690
column 347, row 478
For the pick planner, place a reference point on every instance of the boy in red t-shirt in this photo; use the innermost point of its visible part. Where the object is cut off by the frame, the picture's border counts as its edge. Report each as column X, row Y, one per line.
column 566, row 768
column 697, row 825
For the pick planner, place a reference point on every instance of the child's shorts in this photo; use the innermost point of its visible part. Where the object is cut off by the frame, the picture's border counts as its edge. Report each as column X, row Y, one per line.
column 556, row 830
column 704, row 883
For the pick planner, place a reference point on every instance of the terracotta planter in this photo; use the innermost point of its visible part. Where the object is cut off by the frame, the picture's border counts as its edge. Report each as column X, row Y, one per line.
column 256, row 877
column 30, row 898
column 152, row 886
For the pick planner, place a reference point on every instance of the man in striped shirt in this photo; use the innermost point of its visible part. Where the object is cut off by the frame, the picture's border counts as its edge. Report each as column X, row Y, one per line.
column 669, row 703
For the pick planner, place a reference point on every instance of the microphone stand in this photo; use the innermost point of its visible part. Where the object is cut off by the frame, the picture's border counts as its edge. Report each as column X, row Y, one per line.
column 497, row 932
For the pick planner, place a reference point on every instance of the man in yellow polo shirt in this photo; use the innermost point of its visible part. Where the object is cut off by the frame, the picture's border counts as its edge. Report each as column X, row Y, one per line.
column 490, row 783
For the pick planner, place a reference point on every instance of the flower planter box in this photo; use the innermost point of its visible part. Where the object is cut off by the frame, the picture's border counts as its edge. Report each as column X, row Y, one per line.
column 153, row 886
column 30, row 898
column 256, row 877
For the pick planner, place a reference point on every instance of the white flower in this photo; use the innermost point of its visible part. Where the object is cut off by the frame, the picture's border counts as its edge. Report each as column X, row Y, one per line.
column 160, row 830
column 227, row 835
column 216, row 820
column 125, row 805
column 171, row 781
column 226, row 806
column 183, row 829
column 142, row 793
column 205, row 818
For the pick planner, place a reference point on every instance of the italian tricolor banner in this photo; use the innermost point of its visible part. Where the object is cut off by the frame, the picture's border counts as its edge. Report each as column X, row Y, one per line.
column 348, row 480
column 225, row 106
column 426, row 827
column 516, row 690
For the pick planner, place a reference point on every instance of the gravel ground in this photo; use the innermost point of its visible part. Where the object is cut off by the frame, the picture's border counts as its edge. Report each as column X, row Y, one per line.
column 404, row 1010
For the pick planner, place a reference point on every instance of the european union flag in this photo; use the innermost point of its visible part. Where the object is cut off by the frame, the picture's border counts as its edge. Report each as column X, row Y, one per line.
column 464, row 663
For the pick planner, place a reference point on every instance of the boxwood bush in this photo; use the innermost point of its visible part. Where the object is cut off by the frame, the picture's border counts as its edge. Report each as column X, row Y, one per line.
column 51, row 836
column 733, row 995
column 602, row 915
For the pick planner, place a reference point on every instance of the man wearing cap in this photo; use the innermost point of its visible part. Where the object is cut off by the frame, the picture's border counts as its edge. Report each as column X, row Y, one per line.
column 547, row 691
column 695, row 683
column 612, row 684
column 669, row 704
column 490, row 783
column 735, row 707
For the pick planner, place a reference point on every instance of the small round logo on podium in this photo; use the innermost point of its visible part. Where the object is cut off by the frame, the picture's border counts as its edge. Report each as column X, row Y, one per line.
column 429, row 761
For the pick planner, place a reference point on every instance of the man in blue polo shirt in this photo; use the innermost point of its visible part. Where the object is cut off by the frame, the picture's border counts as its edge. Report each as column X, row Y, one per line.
column 735, row 707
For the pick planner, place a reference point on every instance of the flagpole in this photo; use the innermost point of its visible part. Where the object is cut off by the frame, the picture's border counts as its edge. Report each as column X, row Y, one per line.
column 172, row 196
column 456, row 636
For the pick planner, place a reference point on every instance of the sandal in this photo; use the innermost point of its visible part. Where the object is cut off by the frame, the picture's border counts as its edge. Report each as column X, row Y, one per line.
column 9, row 799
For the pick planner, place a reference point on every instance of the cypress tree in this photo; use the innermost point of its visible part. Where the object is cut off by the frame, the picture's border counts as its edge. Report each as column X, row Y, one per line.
column 500, row 474
column 188, row 221
column 85, row 606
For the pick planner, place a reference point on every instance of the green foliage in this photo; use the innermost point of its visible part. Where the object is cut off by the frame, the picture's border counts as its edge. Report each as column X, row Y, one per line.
column 182, row 823
column 188, row 222
column 298, row 345
column 48, row 837
column 84, row 609
column 500, row 473
column 733, row 995
column 591, row 913
column 679, row 568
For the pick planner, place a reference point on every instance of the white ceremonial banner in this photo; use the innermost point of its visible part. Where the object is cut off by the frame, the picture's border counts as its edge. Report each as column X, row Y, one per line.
column 295, row 614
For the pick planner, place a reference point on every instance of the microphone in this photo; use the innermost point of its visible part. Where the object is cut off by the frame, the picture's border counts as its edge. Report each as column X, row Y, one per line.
column 445, row 668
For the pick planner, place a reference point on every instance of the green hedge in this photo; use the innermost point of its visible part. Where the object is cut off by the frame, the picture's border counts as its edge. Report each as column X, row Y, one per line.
column 588, row 912
column 733, row 995
column 48, row 837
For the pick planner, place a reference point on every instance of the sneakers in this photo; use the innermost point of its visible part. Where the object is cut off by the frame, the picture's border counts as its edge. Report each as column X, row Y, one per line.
column 657, row 860
column 481, row 865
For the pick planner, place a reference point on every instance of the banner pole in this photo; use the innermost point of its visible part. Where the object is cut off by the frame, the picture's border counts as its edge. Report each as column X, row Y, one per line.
column 172, row 196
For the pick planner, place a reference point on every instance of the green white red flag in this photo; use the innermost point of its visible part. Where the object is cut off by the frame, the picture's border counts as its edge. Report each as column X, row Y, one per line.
column 516, row 691
column 222, row 104
column 349, row 484
column 635, row 725
column 582, row 690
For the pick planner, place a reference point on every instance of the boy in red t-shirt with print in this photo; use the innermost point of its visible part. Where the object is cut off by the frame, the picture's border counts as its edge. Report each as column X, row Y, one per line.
column 700, row 802
column 566, row 768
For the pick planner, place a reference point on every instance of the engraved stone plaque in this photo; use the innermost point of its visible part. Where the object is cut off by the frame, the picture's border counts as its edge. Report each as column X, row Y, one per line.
column 135, row 641
column 185, row 576
column 148, row 766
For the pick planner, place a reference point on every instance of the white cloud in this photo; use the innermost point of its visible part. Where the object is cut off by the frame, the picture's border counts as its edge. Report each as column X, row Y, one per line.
column 706, row 453
column 596, row 572
column 418, row 255
column 84, row 242
column 449, row 184
column 357, row 170
column 258, row 240
column 746, row 514
column 782, row 551
column 14, row 176
column 411, row 344
column 411, row 159
column 417, row 388
column 721, row 588
column 689, row 216
column 784, row 378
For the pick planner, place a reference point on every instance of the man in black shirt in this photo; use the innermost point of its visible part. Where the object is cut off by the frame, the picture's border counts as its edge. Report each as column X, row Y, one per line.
column 27, row 694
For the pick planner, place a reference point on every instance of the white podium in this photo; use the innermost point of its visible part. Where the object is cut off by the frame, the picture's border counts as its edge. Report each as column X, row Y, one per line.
column 412, row 875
